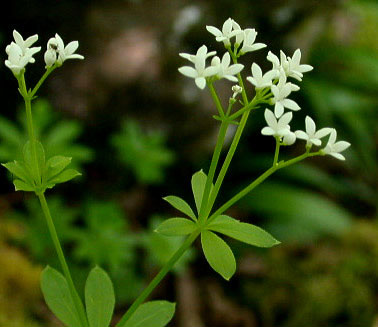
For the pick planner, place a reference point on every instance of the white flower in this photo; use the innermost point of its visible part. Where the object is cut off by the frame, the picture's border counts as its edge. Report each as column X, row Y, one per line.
column 227, row 32
column 223, row 68
column 291, row 66
column 259, row 80
column 278, row 128
column 280, row 93
column 199, row 72
column 25, row 45
column 249, row 37
column 16, row 59
column 278, row 64
column 289, row 138
column 237, row 90
column 58, row 53
column 311, row 135
column 333, row 148
column 295, row 69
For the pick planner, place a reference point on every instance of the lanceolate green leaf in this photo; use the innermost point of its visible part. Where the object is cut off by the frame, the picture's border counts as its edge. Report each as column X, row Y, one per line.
column 243, row 232
column 151, row 314
column 30, row 161
column 198, row 187
column 218, row 254
column 176, row 227
column 180, row 205
column 23, row 186
column 56, row 164
column 19, row 171
column 99, row 298
column 57, row 296
column 64, row 176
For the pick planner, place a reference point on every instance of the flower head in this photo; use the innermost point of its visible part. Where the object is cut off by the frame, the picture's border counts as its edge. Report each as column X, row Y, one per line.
column 229, row 29
column 58, row 53
column 334, row 148
column 19, row 52
column 259, row 80
column 295, row 69
column 311, row 135
column 236, row 89
column 200, row 71
column 275, row 127
column 224, row 69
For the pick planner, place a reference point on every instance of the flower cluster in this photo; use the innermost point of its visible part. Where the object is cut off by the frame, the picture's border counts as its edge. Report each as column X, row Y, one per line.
column 274, row 84
column 20, row 52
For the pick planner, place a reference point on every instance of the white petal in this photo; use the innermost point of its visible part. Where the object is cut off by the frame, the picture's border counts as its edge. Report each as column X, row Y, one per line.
column 278, row 109
column 267, row 131
column 310, row 126
column 188, row 71
column 200, row 82
column 71, row 48
column 315, row 141
column 270, row 118
column 290, row 104
column 337, row 155
column 301, row 135
column 323, row 132
column 341, row 146
column 256, row 70
column 230, row 78
column 252, row 80
column 213, row 30
column 235, row 69
column 285, row 119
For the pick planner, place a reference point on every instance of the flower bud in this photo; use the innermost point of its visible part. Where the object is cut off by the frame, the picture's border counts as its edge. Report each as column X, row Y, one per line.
column 50, row 57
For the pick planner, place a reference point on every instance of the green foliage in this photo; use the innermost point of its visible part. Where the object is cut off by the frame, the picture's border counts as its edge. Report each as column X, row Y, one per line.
column 99, row 298
column 144, row 153
column 37, row 177
column 151, row 314
column 160, row 248
column 58, row 298
column 176, row 227
column 59, row 137
column 242, row 232
column 198, row 187
column 180, row 205
column 297, row 214
column 218, row 254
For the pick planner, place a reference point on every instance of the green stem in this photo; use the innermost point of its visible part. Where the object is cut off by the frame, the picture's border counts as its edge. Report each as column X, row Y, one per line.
column 216, row 99
column 277, row 151
column 167, row 267
column 75, row 296
column 40, row 82
column 213, row 166
column 258, row 181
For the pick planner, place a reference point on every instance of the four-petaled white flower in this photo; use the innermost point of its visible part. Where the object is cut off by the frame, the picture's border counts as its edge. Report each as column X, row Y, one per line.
column 334, row 148
column 199, row 72
column 16, row 59
column 275, row 127
column 25, row 45
column 280, row 93
column 278, row 64
column 295, row 69
column 312, row 136
column 249, row 37
column 228, row 31
column 224, row 69
column 259, row 80
column 58, row 53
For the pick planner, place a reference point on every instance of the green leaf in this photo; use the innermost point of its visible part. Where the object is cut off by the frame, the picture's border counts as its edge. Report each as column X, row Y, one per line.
column 198, row 187
column 56, row 164
column 151, row 314
column 218, row 254
column 176, row 227
column 243, row 232
column 58, row 298
column 23, row 186
column 19, row 170
column 180, row 205
column 64, row 176
column 99, row 298
column 29, row 159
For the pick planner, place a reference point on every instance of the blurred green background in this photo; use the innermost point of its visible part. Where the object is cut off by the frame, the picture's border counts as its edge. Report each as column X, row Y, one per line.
column 138, row 130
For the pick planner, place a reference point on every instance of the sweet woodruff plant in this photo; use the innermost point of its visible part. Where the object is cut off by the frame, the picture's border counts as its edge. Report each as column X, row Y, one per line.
column 271, row 97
